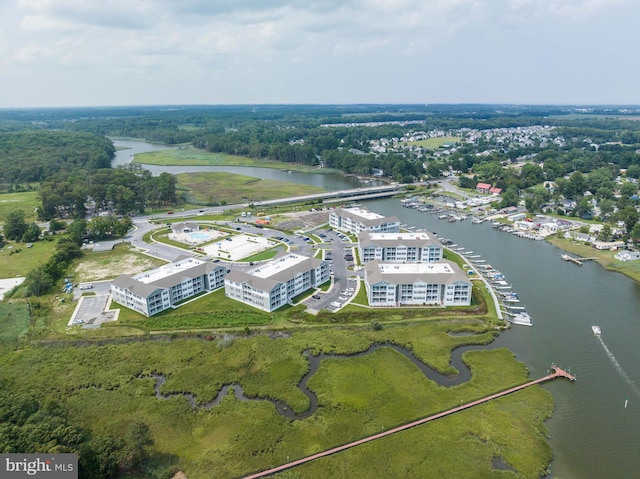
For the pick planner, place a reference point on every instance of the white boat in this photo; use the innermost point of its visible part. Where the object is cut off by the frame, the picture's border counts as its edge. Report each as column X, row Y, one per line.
column 523, row 318
column 596, row 330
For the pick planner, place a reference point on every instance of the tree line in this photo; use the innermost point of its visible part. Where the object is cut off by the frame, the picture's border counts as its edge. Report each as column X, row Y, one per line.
column 34, row 155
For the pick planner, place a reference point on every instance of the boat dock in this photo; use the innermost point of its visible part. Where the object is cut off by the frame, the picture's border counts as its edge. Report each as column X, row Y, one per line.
column 575, row 260
column 557, row 373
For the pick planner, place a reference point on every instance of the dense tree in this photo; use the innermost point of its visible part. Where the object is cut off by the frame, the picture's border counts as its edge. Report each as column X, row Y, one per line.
column 38, row 281
column 29, row 156
column 31, row 234
column 15, row 225
column 629, row 215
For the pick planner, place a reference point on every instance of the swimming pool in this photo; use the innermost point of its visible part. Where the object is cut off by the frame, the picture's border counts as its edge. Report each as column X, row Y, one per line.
column 200, row 236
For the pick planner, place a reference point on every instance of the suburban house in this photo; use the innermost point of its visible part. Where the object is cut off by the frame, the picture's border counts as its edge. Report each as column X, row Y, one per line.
column 355, row 220
column 495, row 191
column 610, row 245
column 627, row 255
column 418, row 247
column 156, row 290
column 483, row 187
column 274, row 284
column 413, row 284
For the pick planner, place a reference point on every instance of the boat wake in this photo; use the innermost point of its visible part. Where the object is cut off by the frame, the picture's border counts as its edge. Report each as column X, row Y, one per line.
column 616, row 364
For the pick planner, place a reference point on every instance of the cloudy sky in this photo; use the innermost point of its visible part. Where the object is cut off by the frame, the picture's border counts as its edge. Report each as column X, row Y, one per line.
column 145, row 52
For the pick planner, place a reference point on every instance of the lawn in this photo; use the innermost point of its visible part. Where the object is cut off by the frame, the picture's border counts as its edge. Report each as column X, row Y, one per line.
column 605, row 258
column 435, row 143
column 195, row 157
column 358, row 396
column 25, row 259
column 26, row 201
column 220, row 188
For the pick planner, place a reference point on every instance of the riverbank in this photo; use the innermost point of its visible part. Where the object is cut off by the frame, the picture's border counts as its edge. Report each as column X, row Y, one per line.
column 190, row 156
column 215, row 188
column 606, row 258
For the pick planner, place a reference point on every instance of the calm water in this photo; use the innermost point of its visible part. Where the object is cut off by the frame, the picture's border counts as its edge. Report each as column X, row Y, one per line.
column 329, row 181
column 592, row 434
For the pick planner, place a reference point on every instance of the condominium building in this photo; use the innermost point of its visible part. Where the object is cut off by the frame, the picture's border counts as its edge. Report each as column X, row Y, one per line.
column 161, row 288
column 355, row 220
column 272, row 285
column 393, row 284
column 418, row 247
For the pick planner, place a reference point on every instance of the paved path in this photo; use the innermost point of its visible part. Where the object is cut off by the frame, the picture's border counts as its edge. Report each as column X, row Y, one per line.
column 557, row 372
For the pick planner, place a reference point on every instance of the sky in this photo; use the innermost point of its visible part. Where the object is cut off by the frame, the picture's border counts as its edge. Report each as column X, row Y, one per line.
column 162, row 52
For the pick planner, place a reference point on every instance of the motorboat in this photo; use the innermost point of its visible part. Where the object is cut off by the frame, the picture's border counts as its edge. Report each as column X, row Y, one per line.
column 596, row 330
column 522, row 318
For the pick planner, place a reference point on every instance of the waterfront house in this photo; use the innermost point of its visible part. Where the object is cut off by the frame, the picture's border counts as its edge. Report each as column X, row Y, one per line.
column 415, row 247
column 355, row 220
column 413, row 284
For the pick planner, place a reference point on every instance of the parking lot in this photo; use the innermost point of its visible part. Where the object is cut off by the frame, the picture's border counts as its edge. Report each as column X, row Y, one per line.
column 91, row 310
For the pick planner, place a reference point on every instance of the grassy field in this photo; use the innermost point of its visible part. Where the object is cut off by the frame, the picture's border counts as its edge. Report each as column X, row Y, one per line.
column 605, row 258
column 20, row 263
column 27, row 201
column 435, row 143
column 216, row 188
column 196, row 157
column 357, row 396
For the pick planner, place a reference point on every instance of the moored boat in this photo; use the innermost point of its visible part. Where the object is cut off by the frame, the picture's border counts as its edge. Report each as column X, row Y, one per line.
column 523, row 318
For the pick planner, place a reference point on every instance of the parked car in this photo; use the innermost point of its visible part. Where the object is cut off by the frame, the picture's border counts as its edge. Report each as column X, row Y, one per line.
column 316, row 296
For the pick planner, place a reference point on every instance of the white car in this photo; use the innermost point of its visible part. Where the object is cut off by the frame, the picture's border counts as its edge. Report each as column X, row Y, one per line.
column 86, row 286
column 335, row 304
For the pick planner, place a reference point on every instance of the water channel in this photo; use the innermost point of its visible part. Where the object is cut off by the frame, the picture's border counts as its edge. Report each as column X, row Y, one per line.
column 329, row 181
column 592, row 433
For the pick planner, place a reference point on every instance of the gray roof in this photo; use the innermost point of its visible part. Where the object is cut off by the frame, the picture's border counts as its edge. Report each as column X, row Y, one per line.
column 267, row 284
column 396, row 239
column 375, row 276
column 126, row 281
column 145, row 290
column 366, row 221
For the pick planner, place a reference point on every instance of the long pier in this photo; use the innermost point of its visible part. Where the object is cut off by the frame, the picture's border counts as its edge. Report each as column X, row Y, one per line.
column 557, row 373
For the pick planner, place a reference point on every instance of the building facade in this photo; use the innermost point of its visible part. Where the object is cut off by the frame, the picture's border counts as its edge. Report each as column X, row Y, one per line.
column 416, row 284
column 419, row 247
column 156, row 290
column 355, row 220
column 271, row 285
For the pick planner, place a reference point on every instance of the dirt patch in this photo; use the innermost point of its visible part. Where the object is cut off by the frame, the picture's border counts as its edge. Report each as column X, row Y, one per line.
column 100, row 266
column 180, row 475
column 301, row 220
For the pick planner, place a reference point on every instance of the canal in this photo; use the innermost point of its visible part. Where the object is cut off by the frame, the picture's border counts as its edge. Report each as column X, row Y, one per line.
column 592, row 434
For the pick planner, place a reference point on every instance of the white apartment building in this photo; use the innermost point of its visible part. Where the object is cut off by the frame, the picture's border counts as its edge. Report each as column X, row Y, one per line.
column 418, row 247
column 355, row 220
column 272, row 285
column 413, row 284
column 156, row 290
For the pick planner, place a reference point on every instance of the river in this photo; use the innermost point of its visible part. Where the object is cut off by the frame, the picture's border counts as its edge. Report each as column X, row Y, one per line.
column 329, row 181
column 592, row 434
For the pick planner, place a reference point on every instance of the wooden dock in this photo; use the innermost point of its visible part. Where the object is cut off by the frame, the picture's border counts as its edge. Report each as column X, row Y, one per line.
column 557, row 373
column 575, row 260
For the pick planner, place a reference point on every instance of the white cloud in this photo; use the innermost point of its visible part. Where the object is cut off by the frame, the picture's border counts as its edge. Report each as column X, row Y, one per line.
column 307, row 50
